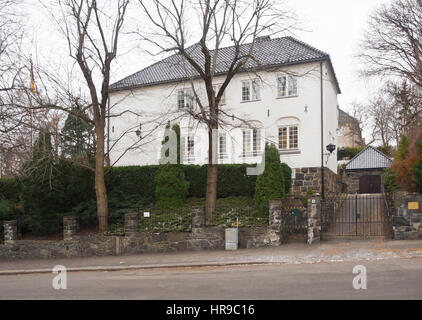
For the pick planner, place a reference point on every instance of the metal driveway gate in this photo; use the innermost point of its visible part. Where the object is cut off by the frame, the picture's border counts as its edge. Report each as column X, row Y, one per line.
column 355, row 216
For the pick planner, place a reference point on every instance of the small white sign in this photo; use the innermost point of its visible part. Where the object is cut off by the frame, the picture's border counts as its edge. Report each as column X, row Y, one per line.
column 146, row 214
column 313, row 201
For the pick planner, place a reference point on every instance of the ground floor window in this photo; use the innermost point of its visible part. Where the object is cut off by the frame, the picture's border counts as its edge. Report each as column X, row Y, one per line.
column 222, row 146
column 288, row 137
column 251, row 142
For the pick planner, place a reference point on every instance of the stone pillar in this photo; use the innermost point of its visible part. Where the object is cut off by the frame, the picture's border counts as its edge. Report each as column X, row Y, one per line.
column 314, row 218
column 131, row 223
column 70, row 226
column 275, row 208
column 10, row 231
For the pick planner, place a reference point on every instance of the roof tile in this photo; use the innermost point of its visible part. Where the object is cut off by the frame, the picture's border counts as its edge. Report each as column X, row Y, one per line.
column 269, row 52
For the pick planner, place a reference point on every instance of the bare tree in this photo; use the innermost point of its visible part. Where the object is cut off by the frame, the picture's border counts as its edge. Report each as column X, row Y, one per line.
column 14, row 122
column 392, row 45
column 355, row 124
column 406, row 107
column 217, row 23
column 92, row 31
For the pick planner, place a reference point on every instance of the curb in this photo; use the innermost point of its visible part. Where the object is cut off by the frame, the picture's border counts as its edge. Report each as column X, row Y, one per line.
column 137, row 267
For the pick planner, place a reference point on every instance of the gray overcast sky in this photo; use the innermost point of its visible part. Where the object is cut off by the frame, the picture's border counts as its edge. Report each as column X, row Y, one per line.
column 334, row 26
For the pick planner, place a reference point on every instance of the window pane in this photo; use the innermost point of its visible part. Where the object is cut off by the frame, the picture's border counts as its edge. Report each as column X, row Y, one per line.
column 189, row 98
column 246, row 141
column 293, row 141
column 292, row 86
column 282, row 86
column 256, row 141
column 181, row 99
column 222, row 145
column 256, row 90
column 282, row 138
column 190, row 147
column 246, row 91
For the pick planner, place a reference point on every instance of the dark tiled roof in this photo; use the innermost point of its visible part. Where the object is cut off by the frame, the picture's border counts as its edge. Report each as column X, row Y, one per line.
column 269, row 52
column 369, row 158
column 344, row 117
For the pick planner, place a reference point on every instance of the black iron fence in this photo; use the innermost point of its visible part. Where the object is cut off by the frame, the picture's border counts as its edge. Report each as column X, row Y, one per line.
column 295, row 215
column 360, row 215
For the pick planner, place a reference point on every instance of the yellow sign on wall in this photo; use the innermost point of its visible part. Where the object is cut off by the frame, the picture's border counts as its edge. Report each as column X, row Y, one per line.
column 413, row 205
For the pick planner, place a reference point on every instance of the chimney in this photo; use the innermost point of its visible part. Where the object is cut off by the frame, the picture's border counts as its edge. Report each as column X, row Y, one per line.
column 262, row 39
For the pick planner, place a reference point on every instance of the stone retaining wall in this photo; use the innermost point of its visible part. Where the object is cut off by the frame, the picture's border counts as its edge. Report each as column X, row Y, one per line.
column 310, row 178
column 407, row 222
column 200, row 238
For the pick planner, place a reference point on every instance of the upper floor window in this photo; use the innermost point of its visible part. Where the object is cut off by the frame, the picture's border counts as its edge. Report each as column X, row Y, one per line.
column 185, row 98
column 288, row 137
column 223, row 97
column 251, row 142
column 251, row 90
column 286, row 86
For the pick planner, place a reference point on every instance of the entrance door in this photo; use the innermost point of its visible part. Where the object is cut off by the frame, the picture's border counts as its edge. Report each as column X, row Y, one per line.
column 370, row 184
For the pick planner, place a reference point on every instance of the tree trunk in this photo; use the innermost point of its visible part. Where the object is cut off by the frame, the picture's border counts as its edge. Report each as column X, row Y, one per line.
column 212, row 174
column 100, row 188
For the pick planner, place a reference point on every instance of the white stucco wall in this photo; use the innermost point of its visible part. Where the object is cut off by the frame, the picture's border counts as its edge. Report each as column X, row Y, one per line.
column 154, row 106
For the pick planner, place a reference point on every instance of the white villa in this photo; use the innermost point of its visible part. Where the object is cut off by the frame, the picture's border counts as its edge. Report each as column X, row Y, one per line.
column 289, row 98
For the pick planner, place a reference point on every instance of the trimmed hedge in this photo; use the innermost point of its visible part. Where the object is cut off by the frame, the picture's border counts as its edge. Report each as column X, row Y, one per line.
column 77, row 183
column 232, row 180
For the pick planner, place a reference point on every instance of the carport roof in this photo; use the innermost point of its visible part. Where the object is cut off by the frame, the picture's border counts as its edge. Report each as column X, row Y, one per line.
column 369, row 158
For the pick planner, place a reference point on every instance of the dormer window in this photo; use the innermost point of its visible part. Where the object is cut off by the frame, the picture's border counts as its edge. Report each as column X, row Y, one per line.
column 185, row 98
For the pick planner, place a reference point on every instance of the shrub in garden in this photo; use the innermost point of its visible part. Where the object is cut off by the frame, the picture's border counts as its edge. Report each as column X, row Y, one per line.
column 287, row 173
column 404, row 159
column 270, row 184
column 417, row 170
column 309, row 193
column 348, row 152
column 390, row 180
column 171, row 189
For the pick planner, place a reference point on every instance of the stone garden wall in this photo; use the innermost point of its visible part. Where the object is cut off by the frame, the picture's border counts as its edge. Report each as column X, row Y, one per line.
column 310, row 178
column 407, row 216
column 200, row 238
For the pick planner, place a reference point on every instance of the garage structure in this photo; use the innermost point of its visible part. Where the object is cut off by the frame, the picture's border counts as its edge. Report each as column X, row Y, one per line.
column 364, row 174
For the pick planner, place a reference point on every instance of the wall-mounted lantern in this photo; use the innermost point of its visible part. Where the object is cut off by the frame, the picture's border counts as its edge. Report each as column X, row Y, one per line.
column 330, row 148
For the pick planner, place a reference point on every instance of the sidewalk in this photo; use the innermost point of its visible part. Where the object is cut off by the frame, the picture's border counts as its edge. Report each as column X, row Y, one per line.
column 292, row 253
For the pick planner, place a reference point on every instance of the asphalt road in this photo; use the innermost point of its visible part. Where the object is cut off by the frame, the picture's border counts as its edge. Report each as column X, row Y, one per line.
column 386, row 279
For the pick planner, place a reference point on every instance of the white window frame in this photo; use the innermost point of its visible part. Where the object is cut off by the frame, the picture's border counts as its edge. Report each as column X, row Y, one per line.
column 190, row 150
column 288, row 128
column 290, row 80
column 253, row 148
column 254, row 90
column 187, row 96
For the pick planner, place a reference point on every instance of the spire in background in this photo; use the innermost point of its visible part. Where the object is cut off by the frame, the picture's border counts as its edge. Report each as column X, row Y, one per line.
column 32, row 77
